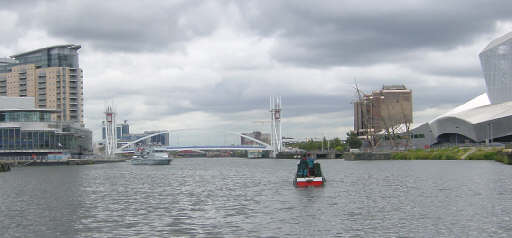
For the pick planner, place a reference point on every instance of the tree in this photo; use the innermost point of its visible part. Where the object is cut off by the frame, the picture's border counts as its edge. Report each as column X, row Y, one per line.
column 353, row 141
column 397, row 120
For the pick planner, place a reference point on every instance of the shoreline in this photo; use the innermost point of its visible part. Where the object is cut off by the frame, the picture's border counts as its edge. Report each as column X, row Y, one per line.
column 14, row 163
column 499, row 155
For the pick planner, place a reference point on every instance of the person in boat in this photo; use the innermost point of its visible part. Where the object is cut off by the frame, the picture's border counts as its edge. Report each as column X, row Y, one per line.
column 311, row 165
column 302, row 168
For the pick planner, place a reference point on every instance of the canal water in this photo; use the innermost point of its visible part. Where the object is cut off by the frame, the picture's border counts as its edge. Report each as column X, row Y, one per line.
column 229, row 197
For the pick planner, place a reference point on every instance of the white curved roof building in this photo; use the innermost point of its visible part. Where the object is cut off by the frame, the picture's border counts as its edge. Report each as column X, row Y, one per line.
column 487, row 117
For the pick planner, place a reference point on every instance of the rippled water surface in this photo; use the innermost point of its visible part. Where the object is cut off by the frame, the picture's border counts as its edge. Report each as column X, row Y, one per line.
column 217, row 197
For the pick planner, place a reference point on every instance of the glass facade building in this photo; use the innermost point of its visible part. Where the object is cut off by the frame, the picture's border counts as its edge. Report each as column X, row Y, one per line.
column 25, row 116
column 27, row 131
column 496, row 61
column 16, row 139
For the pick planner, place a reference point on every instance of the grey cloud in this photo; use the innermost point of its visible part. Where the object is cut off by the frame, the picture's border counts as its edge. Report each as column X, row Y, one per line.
column 128, row 26
column 464, row 72
column 338, row 33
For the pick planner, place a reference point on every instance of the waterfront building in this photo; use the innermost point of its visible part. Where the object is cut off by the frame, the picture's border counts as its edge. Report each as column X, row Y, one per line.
column 125, row 128
column 51, row 76
column 122, row 130
column 385, row 108
column 485, row 118
column 28, row 132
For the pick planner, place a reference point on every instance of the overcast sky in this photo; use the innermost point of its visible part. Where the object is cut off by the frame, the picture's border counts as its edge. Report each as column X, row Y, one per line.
column 213, row 64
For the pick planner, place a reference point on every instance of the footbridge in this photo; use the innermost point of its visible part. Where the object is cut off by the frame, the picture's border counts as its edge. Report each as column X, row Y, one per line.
column 275, row 146
column 215, row 147
column 262, row 145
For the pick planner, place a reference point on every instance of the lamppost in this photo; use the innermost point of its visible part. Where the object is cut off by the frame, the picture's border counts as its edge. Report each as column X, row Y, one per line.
column 490, row 131
column 456, row 135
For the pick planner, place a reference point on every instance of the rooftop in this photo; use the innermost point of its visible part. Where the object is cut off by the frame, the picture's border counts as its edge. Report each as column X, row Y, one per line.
column 498, row 41
column 394, row 87
column 485, row 113
column 69, row 46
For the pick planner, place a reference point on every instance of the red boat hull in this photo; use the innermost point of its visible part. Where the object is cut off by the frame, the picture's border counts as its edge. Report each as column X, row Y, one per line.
column 309, row 182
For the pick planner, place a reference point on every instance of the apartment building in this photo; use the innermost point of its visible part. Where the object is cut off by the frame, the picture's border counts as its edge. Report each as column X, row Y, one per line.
column 51, row 75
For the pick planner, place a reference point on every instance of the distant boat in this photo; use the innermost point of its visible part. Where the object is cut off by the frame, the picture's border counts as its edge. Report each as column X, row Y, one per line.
column 151, row 158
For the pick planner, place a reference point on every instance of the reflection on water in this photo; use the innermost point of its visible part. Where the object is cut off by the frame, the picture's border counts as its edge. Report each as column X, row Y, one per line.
column 241, row 197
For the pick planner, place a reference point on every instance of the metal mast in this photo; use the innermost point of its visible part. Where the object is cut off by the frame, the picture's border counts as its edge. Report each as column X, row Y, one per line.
column 110, row 133
column 276, row 141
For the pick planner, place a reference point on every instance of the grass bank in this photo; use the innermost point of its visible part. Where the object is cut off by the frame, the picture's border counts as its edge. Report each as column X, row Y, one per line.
column 496, row 155
column 453, row 154
column 438, row 154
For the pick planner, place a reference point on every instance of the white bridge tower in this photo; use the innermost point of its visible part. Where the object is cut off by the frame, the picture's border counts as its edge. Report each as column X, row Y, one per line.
column 276, row 140
column 110, row 133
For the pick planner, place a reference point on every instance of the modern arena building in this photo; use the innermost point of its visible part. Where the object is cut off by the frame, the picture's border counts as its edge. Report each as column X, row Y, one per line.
column 486, row 118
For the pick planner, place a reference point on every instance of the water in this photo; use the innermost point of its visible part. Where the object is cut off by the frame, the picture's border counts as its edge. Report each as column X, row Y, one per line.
column 255, row 198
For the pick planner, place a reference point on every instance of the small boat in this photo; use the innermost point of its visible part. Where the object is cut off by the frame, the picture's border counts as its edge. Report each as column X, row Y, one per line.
column 151, row 158
column 307, row 176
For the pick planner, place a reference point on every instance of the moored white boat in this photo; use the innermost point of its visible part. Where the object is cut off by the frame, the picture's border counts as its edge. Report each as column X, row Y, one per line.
column 155, row 158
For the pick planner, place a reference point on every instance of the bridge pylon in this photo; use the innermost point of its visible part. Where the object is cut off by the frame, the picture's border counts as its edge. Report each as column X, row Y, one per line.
column 110, row 133
column 276, row 140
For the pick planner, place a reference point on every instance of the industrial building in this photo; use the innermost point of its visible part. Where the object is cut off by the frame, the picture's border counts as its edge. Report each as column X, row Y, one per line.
column 487, row 117
column 382, row 109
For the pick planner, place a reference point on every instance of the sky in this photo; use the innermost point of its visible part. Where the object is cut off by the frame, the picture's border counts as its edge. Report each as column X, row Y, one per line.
column 212, row 65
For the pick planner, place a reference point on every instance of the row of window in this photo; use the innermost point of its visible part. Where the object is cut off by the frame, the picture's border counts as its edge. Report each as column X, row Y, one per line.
column 414, row 136
column 31, row 116
column 15, row 139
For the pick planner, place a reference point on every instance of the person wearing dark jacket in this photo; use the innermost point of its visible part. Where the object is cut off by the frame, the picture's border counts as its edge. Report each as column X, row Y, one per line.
column 302, row 168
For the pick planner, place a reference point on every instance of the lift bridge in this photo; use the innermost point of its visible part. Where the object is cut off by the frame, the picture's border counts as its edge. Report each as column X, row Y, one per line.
column 275, row 146
column 262, row 145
